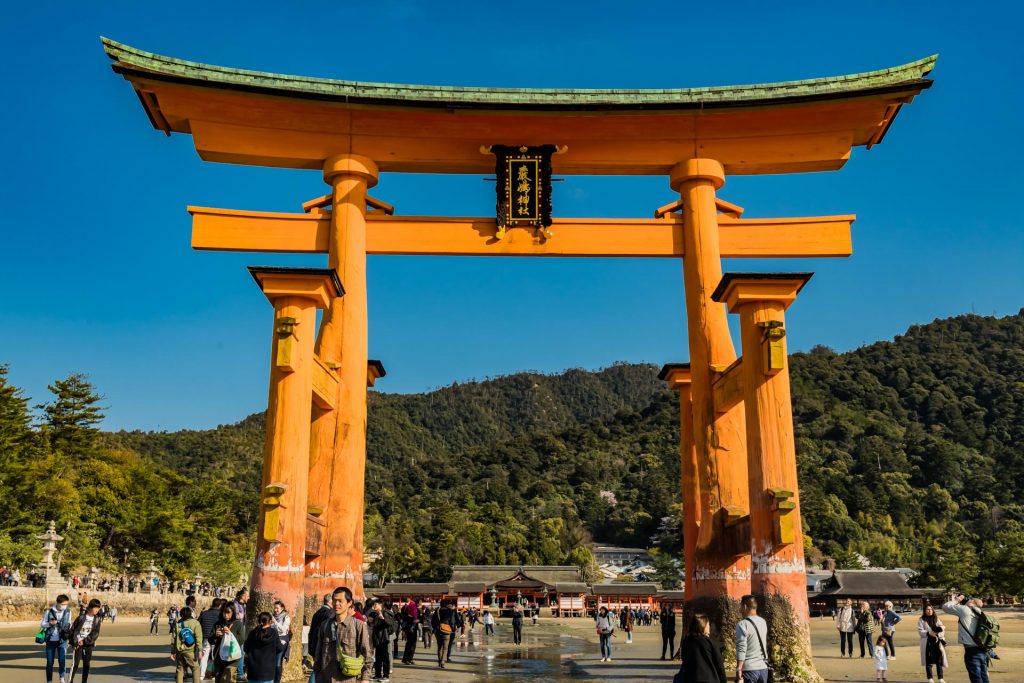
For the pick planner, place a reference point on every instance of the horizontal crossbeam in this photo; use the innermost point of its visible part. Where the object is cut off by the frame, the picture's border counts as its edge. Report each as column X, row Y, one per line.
column 231, row 230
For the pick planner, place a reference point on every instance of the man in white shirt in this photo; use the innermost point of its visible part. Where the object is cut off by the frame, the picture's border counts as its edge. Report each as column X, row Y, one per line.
column 751, row 644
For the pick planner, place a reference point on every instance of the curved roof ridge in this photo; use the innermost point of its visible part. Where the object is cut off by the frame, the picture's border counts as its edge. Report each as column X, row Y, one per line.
column 133, row 60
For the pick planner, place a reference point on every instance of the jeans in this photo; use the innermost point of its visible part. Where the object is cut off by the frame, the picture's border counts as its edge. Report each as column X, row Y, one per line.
column 488, row 629
column 760, row 676
column 606, row 645
column 517, row 633
column 382, row 661
column 846, row 642
column 976, row 662
column 442, row 647
column 864, row 638
column 58, row 649
column 83, row 658
column 668, row 640
column 451, row 644
column 890, row 646
column 427, row 635
column 928, row 670
column 204, row 658
column 411, row 636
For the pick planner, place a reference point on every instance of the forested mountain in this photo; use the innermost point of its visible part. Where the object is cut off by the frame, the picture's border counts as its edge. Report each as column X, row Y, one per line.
column 911, row 452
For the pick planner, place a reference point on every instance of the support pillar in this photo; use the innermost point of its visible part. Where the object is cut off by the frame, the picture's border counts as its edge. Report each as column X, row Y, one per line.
column 721, row 564
column 679, row 379
column 338, row 450
column 279, row 568
column 777, row 548
column 779, row 575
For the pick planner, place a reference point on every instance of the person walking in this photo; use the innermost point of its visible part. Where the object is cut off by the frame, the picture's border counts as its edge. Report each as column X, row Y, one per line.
column 667, row 619
column 865, row 628
column 172, row 618
column 702, row 658
column 425, row 629
column 443, row 625
column 517, row 625
column 186, row 647
column 933, row 643
column 263, row 647
column 410, row 629
column 605, row 625
column 460, row 625
column 226, row 670
column 382, row 625
column 283, row 626
column 846, row 624
column 967, row 611
column 56, row 623
column 154, row 622
column 84, row 632
column 751, row 644
column 208, row 619
column 113, row 615
column 488, row 621
column 343, row 648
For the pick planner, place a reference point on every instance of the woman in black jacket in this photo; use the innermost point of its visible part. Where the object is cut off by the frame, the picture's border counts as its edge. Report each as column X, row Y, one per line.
column 261, row 649
column 702, row 659
column 225, row 672
column 84, row 632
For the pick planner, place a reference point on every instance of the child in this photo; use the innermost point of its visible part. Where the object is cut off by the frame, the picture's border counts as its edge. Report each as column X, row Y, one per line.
column 881, row 659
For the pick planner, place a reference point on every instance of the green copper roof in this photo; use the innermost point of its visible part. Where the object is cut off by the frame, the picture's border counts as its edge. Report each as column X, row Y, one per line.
column 132, row 61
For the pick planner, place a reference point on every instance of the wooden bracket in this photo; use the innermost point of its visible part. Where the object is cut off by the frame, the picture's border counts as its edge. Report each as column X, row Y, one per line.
column 782, row 516
column 271, row 511
column 775, row 348
column 327, row 199
column 728, row 208
column 727, row 386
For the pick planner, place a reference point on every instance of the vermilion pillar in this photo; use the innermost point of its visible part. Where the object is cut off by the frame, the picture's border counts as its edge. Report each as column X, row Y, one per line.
column 776, row 534
column 338, row 462
column 278, row 571
column 721, row 560
column 678, row 377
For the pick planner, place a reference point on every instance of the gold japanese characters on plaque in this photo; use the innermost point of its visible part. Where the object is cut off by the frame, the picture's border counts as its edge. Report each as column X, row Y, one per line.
column 523, row 190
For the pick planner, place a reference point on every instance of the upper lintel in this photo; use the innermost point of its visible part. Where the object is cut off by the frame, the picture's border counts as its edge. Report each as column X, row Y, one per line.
column 252, row 117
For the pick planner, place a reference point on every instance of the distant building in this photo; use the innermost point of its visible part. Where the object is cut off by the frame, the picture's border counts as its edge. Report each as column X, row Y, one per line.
column 620, row 557
column 873, row 585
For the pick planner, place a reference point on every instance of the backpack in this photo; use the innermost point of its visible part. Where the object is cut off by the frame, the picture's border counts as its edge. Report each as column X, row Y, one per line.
column 186, row 637
column 986, row 630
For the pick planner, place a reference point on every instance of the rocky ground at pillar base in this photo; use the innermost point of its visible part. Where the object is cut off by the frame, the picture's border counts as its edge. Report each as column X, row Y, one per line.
column 554, row 651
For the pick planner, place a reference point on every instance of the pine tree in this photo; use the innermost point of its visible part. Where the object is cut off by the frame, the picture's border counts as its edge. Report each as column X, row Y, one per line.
column 73, row 415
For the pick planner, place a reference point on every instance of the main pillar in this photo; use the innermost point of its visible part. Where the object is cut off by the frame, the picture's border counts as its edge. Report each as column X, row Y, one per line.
column 779, row 575
column 679, row 379
column 721, row 564
column 338, row 457
column 278, row 571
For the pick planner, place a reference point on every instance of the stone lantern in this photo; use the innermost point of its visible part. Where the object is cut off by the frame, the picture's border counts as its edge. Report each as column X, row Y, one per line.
column 47, row 566
column 151, row 579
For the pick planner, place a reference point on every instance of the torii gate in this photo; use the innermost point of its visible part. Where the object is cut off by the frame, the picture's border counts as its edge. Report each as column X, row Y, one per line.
column 739, row 489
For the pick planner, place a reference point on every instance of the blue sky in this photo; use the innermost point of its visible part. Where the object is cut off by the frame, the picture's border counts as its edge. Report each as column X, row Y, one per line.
column 98, row 276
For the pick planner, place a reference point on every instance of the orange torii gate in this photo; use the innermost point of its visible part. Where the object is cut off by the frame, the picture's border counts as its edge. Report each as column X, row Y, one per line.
column 740, row 496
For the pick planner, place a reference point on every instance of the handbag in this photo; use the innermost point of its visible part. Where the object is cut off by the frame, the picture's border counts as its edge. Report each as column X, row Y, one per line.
column 350, row 666
column 41, row 636
column 764, row 653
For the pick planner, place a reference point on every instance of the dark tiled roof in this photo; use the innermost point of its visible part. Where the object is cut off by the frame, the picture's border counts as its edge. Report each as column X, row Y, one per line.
column 132, row 60
column 491, row 574
column 572, row 588
column 413, row 589
column 869, row 584
column 672, row 595
column 468, row 587
column 625, row 589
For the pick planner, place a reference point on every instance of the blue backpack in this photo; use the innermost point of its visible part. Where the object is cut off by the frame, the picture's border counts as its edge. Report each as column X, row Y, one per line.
column 186, row 638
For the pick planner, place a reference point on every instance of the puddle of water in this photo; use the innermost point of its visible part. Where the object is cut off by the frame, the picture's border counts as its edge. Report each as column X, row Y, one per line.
column 541, row 658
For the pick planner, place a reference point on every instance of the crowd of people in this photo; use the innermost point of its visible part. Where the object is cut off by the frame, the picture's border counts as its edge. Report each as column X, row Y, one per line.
column 350, row 640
